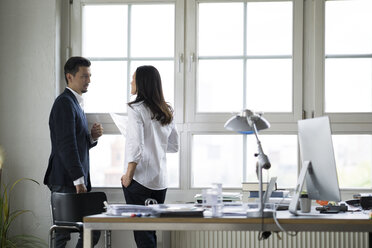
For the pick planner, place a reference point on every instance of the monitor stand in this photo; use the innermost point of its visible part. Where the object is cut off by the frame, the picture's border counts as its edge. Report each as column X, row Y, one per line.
column 300, row 183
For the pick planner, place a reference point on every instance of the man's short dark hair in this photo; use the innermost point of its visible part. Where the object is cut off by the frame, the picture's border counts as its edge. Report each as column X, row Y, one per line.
column 72, row 65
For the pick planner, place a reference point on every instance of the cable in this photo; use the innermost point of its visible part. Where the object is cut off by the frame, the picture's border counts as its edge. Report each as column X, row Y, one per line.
column 293, row 234
column 262, row 235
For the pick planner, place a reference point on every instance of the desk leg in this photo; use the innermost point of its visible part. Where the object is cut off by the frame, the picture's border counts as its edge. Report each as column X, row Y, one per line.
column 370, row 240
column 87, row 238
column 107, row 239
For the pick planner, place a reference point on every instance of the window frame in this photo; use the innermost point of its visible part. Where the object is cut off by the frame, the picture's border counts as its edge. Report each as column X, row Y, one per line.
column 344, row 121
column 207, row 123
column 308, row 79
column 192, row 116
column 341, row 123
column 76, row 49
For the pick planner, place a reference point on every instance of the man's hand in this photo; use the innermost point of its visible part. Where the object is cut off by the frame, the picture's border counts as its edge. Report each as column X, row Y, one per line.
column 96, row 131
column 80, row 188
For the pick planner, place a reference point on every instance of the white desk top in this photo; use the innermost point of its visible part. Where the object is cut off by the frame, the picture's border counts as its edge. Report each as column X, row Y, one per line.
column 350, row 221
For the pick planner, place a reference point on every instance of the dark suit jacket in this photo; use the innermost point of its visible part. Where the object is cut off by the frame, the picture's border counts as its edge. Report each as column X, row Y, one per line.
column 70, row 137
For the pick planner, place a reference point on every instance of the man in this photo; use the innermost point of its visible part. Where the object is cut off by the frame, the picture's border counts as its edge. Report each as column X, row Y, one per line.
column 68, row 167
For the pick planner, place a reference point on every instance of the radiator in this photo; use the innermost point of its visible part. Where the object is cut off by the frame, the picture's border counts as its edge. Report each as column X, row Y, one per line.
column 246, row 239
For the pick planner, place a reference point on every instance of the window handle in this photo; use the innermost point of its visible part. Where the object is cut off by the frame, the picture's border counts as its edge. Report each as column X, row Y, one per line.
column 180, row 62
column 191, row 60
column 304, row 114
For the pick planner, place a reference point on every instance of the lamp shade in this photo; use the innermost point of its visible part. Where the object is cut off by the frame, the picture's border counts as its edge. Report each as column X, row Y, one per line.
column 244, row 122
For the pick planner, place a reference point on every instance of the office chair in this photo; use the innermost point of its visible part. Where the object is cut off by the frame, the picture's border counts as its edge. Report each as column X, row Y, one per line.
column 68, row 210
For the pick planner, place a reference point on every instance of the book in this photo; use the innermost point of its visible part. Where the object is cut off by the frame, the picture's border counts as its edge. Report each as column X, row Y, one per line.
column 276, row 193
column 254, row 186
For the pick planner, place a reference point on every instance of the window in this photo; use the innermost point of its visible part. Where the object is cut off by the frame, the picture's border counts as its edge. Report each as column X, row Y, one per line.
column 117, row 40
column 107, row 163
column 344, row 85
column 224, row 155
column 353, row 159
column 348, row 56
column 250, row 58
column 218, row 156
column 219, row 57
column 283, row 154
column 117, row 51
column 251, row 49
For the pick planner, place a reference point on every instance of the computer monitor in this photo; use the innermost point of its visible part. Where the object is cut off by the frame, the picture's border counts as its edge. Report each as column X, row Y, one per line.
column 318, row 162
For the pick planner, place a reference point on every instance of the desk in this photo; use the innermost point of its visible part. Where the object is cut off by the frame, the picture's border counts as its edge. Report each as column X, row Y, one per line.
column 341, row 222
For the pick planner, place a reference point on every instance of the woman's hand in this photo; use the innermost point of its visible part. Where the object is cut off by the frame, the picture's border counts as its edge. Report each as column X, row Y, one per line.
column 126, row 180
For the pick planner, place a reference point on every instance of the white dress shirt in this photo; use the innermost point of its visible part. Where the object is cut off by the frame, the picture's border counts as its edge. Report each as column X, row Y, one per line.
column 147, row 143
column 79, row 98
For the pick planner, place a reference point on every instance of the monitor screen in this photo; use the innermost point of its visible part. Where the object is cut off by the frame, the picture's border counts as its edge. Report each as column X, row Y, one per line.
column 316, row 146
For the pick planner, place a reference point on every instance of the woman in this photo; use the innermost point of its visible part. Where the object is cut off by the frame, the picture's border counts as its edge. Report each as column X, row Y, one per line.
column 151, row 133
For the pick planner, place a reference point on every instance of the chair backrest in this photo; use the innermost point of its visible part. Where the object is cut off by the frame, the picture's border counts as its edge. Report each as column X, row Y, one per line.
column 72, row 207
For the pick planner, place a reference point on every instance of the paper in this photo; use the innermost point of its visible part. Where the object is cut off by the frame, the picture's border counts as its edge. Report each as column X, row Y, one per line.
column 119, row 209
column 121, row 122
column 226, row 196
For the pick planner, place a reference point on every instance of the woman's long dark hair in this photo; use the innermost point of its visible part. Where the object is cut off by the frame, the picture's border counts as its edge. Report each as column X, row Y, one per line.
column 149, row 90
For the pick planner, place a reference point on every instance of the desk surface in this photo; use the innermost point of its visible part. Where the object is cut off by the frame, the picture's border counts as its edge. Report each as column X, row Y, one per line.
column 356, row 222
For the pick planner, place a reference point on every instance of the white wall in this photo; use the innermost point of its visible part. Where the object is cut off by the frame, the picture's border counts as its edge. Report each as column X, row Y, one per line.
column 27, row 86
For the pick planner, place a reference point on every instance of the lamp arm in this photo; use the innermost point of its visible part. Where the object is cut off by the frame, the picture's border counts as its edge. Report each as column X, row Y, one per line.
column 263, row 160
column 263, row 163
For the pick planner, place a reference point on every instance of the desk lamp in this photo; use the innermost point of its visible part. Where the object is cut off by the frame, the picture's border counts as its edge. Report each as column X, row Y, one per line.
column 249, row 122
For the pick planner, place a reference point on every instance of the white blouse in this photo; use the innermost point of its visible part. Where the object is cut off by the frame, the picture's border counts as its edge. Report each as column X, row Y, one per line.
column 147, row 143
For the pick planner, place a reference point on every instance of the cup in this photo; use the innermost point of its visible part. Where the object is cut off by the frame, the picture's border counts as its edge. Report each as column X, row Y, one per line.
column 211, row 201
column 305, row 204
column 218, row 188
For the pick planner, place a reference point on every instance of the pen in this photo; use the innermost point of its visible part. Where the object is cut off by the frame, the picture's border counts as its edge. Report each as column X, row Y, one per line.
column 132, row 214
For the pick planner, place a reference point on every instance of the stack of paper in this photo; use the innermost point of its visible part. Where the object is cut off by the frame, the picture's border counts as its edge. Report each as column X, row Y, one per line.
column 119, row 209
column 226, row 197
column 177, row 210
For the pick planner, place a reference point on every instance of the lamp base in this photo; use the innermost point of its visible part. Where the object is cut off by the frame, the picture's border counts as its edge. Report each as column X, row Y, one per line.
column 256, row 213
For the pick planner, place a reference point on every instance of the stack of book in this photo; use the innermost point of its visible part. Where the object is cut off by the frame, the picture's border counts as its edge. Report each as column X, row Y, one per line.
column 251, row 191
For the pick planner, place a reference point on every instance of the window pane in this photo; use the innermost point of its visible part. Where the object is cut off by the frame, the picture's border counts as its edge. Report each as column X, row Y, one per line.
column 107, row 90
column 220, row 29
column 173, row 170
column 107, row 161
column 97, row 39
column 283, row 155
column 269, row 85
column 217, row 159
column 220, row 86
column 166, row 70
column 152, row 30
column 354, row 159
column 348, row 27
column 352, row 80
column 269, row 28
